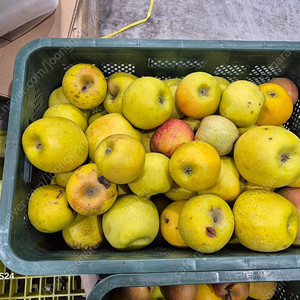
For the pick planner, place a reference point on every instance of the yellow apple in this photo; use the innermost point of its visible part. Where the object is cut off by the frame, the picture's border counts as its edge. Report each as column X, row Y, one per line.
column 84, row 233
column 195, row 165
column 172, row 83
column 69, row 111
column 228, row 185
column 117, row 83
column 48, row 209
column 89, row 192
column 258, row 229
column 146, row 137
column 242, row 130
column 206, row 223
column 207, row 292
column 169, row 224
column 62, row 178
column 113, row 123
column 198, row 95
column 157, row 294
column 219, row 132
column 242, row 102
column 84, row 85
column 57, row 96
column 223, row 82
column 132, row 223
column 263, row 290
column 147, row 102
column 154, row 178
column 96, row 116
column 293, row 195
column 120, row 158
column 177, row 193
column 268, row 156
column 193, row 123
column 55, row 145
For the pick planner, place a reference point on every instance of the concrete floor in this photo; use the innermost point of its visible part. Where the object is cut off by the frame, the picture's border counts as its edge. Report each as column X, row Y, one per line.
column 267, row 20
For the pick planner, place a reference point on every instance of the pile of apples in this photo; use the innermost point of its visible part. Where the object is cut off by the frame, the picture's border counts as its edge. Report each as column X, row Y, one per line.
column 194, row 162
column 215, row 291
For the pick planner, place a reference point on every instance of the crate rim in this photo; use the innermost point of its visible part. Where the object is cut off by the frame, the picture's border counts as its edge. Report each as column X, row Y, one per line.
column 19, row 265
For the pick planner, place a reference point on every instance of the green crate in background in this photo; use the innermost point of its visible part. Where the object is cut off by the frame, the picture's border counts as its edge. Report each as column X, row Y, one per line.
column 39, row 68
column 19, row 287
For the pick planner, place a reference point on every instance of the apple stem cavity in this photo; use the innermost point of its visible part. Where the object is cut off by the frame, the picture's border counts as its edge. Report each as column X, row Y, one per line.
column 203, row 92
column 211, row 232
column 104, row 181
column 108, row 150
column 284, row 157
column 161, row 101
column 188, row 170
column 272, row 94
column 38, row 145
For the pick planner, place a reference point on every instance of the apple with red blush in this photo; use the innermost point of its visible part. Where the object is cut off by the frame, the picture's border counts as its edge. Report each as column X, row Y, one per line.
column 170, row 135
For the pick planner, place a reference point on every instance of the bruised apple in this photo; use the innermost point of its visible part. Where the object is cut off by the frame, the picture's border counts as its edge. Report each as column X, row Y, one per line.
column 89, row 192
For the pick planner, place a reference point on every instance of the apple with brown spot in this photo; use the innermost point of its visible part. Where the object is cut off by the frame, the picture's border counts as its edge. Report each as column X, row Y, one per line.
column 90, row 193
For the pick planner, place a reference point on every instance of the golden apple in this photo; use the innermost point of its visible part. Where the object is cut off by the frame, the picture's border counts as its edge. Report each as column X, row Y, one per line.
column 228, row 185
column 132, row 223
column 293, row 195
column 62, row 178
column 207, row 292
column 242, row 102
column 147, row 102
column 120, row 158
column 195, row 165
column 172, row 83
column 258, row 229
column 198, row 95
column 223, row 82
column 154, row 178
column 84, row 85
column 169, row 224
column 113, row 123
column 55, row 145
column 69, row 111
column 117, row 83
column 48, row 209
column 84, row 233
column 206, row 223
column 263, row 290
column 268, row 156
column 89, row 192
column 177, row 193
column 57, row 96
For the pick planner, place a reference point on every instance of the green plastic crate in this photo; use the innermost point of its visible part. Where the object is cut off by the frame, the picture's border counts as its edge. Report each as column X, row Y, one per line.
column 39, row 68
column 19, row 287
